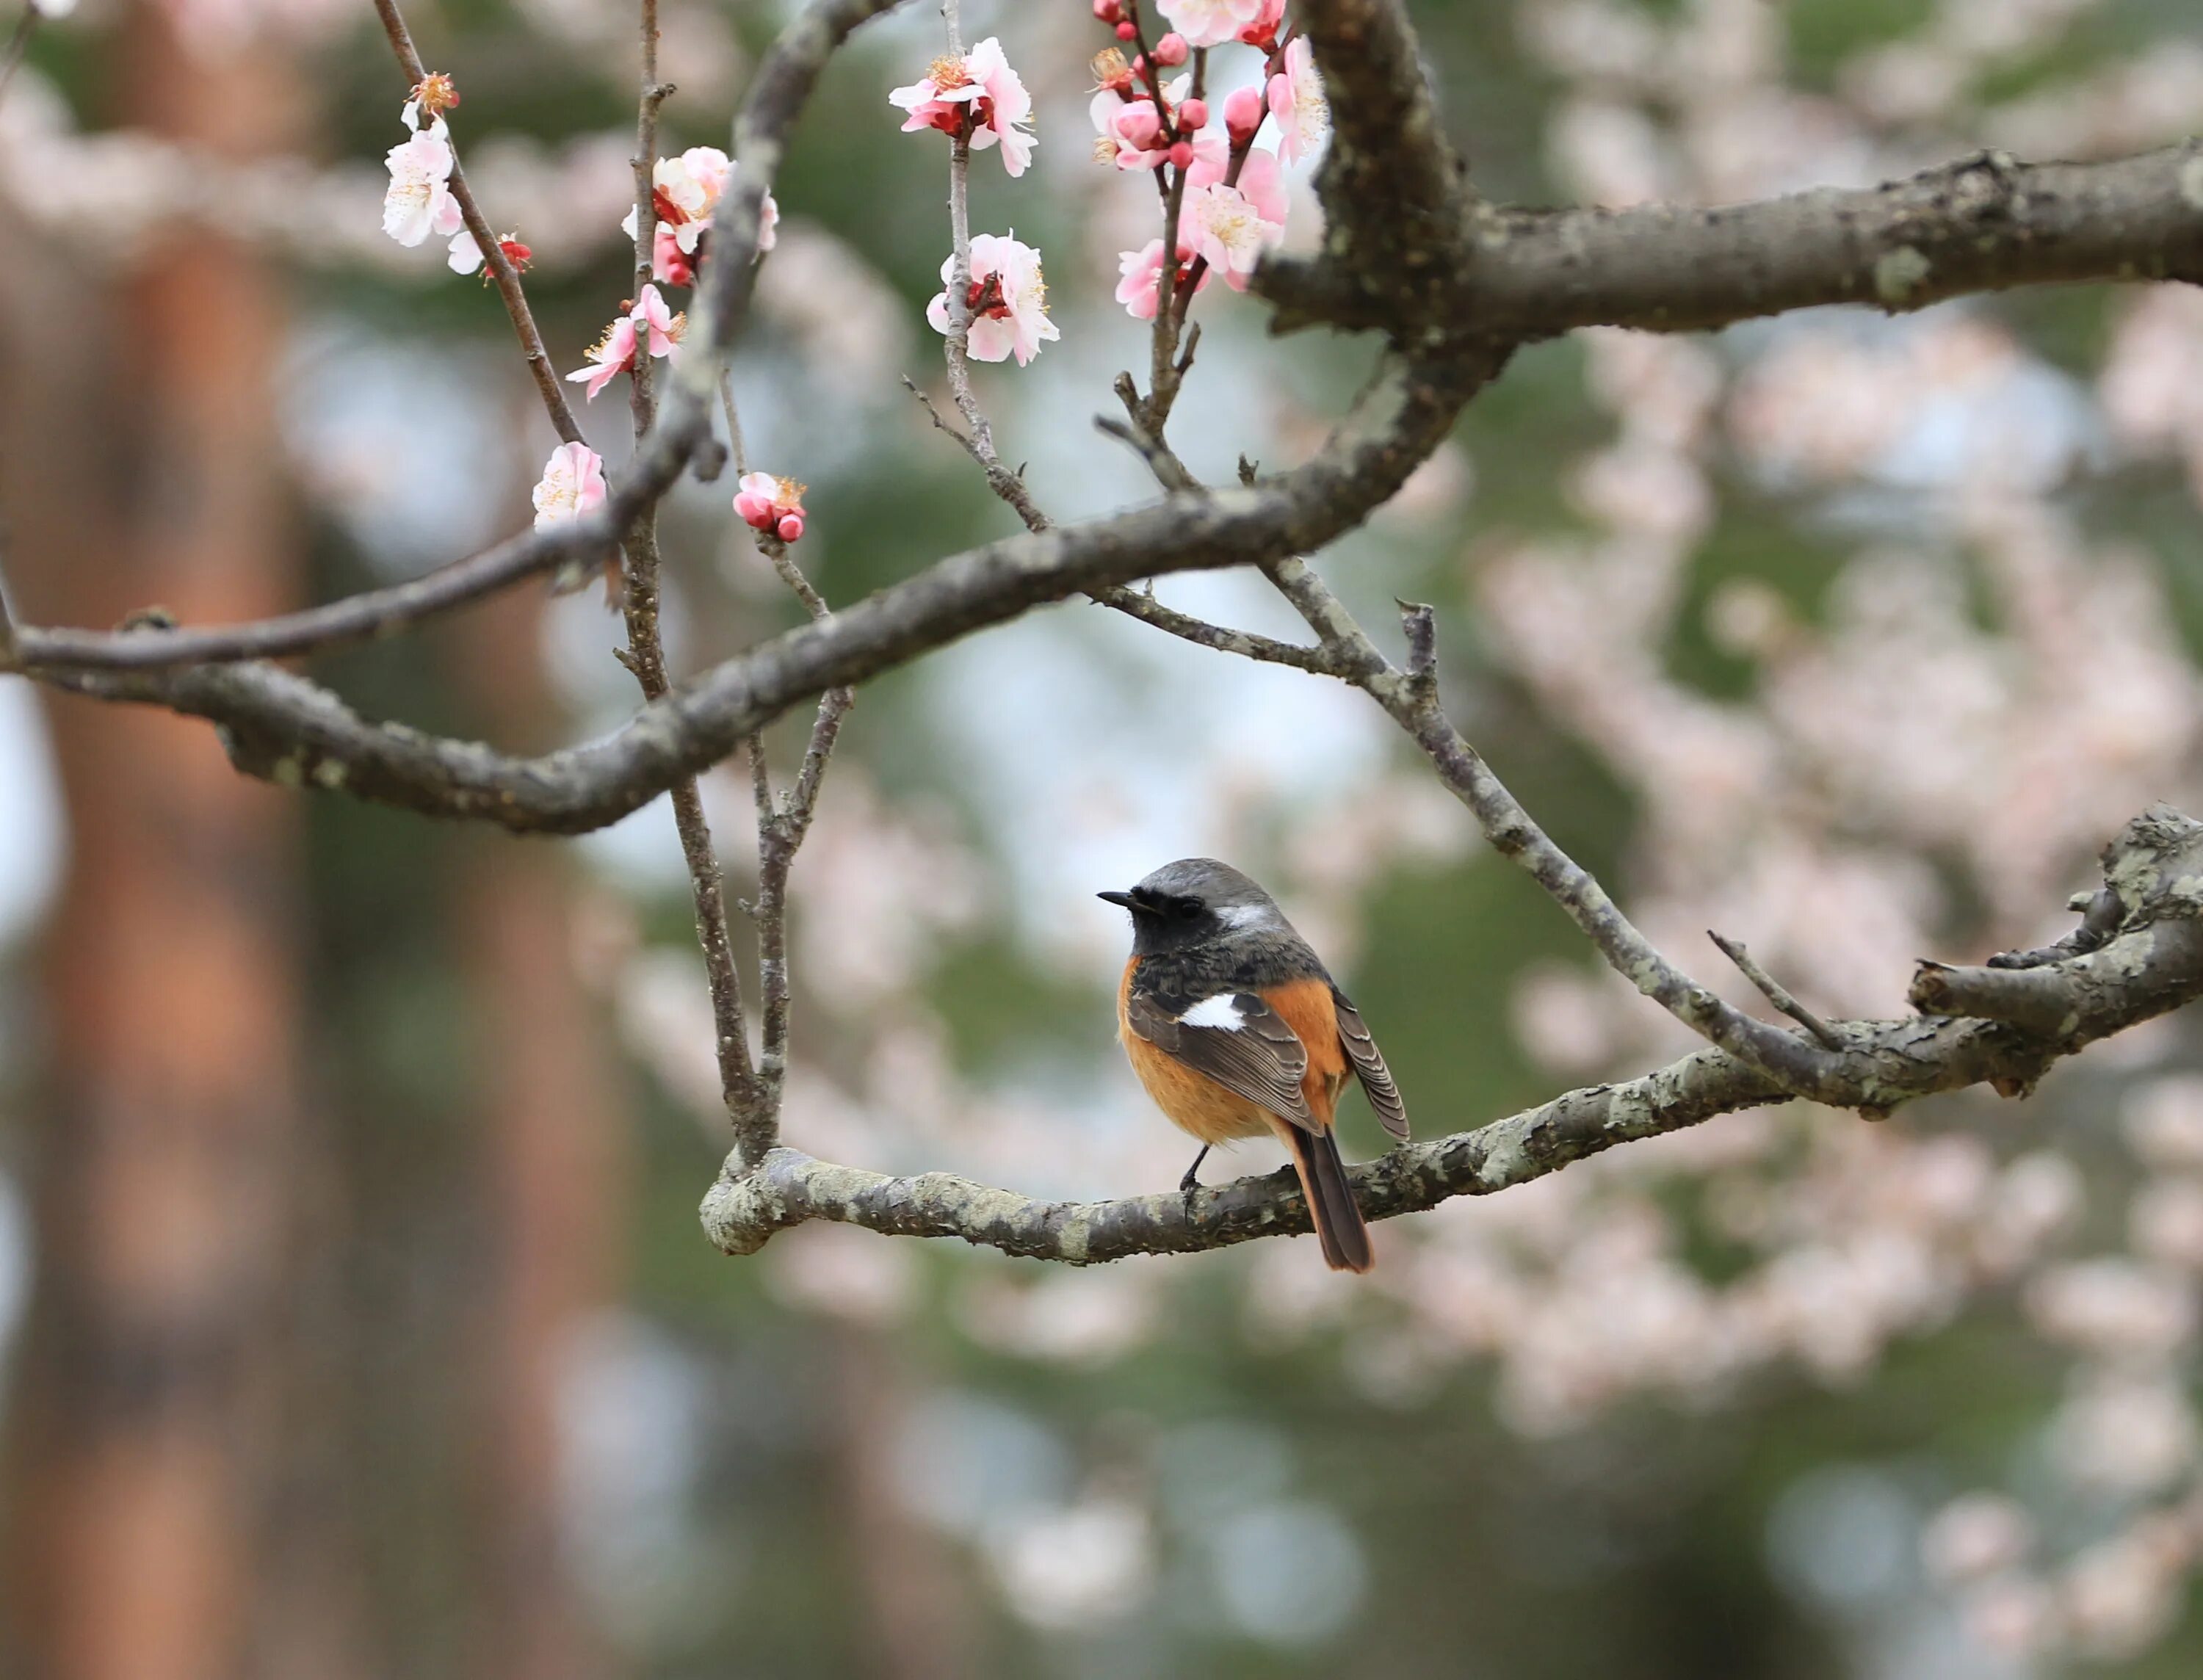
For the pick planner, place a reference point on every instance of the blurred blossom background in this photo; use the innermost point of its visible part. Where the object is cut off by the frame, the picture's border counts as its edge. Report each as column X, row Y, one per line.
column 355, row 1315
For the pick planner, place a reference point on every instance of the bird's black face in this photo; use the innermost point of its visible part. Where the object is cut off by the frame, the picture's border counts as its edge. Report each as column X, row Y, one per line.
column 1165, row 921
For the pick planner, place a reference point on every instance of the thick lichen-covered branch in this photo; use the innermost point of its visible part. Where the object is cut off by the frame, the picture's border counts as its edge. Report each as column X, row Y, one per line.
column 2154, row 965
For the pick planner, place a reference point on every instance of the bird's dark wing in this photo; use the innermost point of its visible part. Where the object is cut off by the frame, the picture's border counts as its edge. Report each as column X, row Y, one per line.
column 1238, row 1041
column 1369, row 1064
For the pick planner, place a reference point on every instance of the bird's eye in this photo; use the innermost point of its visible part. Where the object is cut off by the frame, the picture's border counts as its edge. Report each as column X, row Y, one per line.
column 1187, row 909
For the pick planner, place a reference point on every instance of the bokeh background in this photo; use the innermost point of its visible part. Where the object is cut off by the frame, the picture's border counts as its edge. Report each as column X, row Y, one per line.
column 356, row 1318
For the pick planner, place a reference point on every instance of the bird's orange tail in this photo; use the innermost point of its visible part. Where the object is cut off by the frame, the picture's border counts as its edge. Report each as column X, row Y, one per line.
column 1338, row 1224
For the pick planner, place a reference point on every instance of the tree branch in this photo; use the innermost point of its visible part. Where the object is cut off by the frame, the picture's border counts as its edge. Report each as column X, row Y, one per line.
column 1985, row 223
column 506, row 277
column 362, row 617
column 284, row 728
column 2153, row 967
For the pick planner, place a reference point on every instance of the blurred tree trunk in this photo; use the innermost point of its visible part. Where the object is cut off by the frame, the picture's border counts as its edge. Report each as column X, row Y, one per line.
column 914, row 1620
column 168, row 1526
column 556, row 1182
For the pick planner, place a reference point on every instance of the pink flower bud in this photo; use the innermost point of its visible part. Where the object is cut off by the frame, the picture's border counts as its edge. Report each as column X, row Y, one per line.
column 1242, row 114
column 790, row 528
column 753, row 511
column 1141, row 127
column 1181, row 155
column 1127, row 33
column 1192, row 115
column 1171, row 50
column 1108, row 10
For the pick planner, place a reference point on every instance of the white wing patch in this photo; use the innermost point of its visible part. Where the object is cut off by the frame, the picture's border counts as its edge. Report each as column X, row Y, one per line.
column 1217, row 1012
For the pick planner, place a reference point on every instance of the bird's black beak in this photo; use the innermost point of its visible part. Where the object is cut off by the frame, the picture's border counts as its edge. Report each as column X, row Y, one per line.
column 1125, row 899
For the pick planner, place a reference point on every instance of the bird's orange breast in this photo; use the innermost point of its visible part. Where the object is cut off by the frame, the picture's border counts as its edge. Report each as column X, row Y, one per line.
column 1212, row 1113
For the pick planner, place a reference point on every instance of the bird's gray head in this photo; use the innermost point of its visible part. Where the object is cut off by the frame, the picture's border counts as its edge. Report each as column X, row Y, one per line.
column 1197, row 901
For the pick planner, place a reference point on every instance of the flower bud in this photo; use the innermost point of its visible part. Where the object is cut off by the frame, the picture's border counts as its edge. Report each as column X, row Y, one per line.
column 1126, row 32
column 1181, row 155
column 1193, row 115
column 753, row 510
column 790, row 527
column 1108, row 10
column 1242, row 114
column 1171, row 50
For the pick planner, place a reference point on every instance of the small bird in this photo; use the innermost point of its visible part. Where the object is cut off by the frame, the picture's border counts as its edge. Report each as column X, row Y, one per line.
column 1237, row 1030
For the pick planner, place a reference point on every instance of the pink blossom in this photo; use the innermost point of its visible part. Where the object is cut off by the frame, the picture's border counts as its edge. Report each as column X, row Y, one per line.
column 419, row 201
column 1009, row 300
column 684, row 190
column 615, row 352
column 1131, row 131
column 1210, row 23
column 1229, row 230
column 1261, row 181
column 466, row 255
column 572, row 485
column 1140, row 290
column 978, row 96
column 1296, row 100
column 673, row 250
column 1133, row 136
column 1244, row 112
column 774, row 505
column 668, row 262
column 1263, row 31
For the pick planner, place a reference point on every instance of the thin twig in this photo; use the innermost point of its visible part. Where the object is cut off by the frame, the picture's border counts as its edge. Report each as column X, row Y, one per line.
column 781, row 827
column 6, row 623
column 1412, row 701
column 372, row 613
column 1201, row 632
column 19, row 42
column 501, row 271
column 960, row 274
column 979, row 445
column 753, row 1120
column 1773, row 991
column 733, row 422
column 652, row 95
column 1162, row 460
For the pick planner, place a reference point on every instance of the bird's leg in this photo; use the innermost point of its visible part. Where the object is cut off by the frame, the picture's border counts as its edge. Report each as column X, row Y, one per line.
column 1191, row 1181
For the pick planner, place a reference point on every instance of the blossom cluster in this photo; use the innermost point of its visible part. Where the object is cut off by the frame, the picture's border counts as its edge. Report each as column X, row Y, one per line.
column 977, row 99
column 1224, row 196
column 421, row 201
